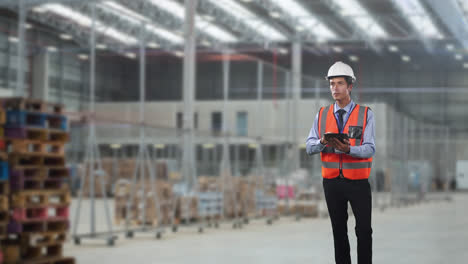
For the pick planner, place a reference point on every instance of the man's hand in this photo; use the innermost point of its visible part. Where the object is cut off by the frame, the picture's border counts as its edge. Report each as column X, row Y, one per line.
column 323, row 141
column 337, row 144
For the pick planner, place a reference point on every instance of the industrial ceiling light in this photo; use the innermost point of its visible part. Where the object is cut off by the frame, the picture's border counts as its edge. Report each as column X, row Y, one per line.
column 393, row 48
column 283, row 51
column 458, row 56
column 206, row 43
column 83, row 56
column 354, row 11
column 353, row 58
column 450, row 47
column 39, row 9
column 66, row 37
column 208, row 146
column 159, row 146
column 247, row 1
column 179, row 54
column 300, row 28
column 305, row 19
column 115, row 146
column 208, row 18
column 275, row 14
column 337, row 49
column 52, row 49
column 405, row 58
column 153, row 45
column 130, row 55
column 252, row 145
column 465, row 65
column 28, row 26
column 101, row 46
column 13, row 39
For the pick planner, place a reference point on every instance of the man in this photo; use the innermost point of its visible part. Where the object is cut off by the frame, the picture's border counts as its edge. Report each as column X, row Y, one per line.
column 346, row 165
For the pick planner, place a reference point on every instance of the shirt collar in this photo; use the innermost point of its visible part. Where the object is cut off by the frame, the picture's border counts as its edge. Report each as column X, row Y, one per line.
column 347, row 108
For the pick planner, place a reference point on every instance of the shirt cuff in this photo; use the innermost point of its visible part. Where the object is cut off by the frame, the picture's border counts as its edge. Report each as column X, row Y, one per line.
column 321, row 146
column 352, row 150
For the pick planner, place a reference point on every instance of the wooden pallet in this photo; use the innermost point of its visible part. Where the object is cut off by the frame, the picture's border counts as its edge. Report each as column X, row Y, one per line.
column 25, row 146
column 34, row 253
column 4, row 187
column 58, row 173
column 46, row 213
column 26, row 184
column 34, row 160
column 3, row 203
column 12, row 252
column 32, row 227
column 3, row 231
column 44, row 238
column 27, row 133
column 18, row 159
column 55, row 121
column 58, row 136
column 37, row 172
column 19, row 103
column 34, row 199
column 62, row 260
column 4, row 217
column 2, row 117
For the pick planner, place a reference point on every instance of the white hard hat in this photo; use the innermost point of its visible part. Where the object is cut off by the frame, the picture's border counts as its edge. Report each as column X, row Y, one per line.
column 340, row 69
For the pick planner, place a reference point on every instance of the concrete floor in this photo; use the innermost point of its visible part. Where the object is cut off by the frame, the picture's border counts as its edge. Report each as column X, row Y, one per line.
column 430, row 233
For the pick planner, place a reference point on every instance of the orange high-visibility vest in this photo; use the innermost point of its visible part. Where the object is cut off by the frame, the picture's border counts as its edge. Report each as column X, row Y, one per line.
column 332, row 163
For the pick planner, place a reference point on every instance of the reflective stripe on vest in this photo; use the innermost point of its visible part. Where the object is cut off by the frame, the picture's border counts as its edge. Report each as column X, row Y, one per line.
column 351, row 167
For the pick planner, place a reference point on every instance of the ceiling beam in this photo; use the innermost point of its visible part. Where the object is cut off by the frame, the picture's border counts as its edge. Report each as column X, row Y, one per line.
column 425, row 41
column 248, row 35
column 162, row 18
column 357, row 32
column 453, row 18
column 29, row 3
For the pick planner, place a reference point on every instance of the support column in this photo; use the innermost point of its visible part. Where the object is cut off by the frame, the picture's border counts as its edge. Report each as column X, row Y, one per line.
column 188, row 162
column 40, row 75
column 20, row 89
column 296, row 96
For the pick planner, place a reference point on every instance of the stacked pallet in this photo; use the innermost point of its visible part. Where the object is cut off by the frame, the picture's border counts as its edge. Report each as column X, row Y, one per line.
column 4, row 186
column 35, row 136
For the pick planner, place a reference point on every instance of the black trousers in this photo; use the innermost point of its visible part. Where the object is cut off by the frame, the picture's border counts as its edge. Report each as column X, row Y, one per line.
column 338, row 192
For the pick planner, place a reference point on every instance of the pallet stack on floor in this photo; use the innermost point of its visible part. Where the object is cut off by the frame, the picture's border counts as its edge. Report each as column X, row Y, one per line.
column 35, row 133
column 4, row 187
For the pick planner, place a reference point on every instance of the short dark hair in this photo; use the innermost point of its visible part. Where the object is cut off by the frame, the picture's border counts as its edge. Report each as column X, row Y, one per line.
column 348, row 79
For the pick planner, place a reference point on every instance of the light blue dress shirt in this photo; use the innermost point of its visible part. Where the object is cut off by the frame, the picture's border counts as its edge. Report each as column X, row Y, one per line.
column 366, row 150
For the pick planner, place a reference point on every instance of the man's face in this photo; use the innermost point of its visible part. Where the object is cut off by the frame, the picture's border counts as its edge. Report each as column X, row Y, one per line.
column 339, row 88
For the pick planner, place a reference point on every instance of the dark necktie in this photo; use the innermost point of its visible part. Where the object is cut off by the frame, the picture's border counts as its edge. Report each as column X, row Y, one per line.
column 341, row 112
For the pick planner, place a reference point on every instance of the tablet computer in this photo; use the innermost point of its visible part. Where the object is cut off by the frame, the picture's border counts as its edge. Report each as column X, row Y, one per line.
column 339, row 136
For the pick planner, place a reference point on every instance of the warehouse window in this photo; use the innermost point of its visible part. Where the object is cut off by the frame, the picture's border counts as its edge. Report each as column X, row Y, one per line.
column 180, row 120
column 216, row 122
column 242, row 124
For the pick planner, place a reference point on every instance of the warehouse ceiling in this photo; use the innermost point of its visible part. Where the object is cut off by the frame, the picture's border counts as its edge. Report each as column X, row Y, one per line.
column 405, row 30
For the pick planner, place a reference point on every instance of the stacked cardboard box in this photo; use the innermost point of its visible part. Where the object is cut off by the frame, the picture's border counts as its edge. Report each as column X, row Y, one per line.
column 116, row 169
column 143, row 208
column 35, row 135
